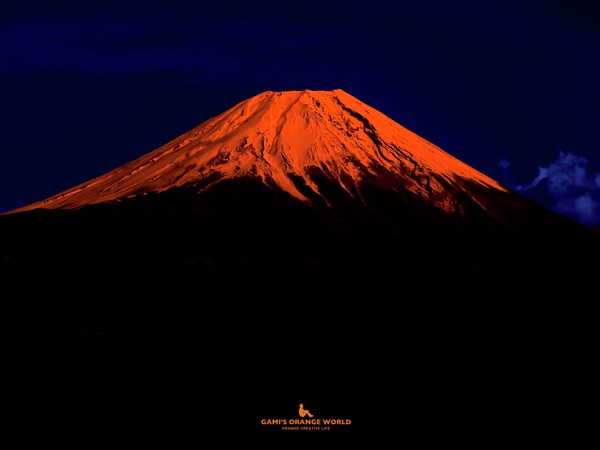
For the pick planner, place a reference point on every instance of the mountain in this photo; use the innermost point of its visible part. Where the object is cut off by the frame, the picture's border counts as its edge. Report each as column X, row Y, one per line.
column 299, row 247
column 342, row 182
column 290, row 141
column 311, row 145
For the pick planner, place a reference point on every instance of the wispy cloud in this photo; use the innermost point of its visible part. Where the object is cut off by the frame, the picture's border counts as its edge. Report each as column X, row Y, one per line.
column 572, row 183
column 201, row 47
column 101, row 45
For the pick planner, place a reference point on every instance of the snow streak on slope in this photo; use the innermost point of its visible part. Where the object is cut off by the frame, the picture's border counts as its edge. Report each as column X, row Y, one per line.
column 282, row 138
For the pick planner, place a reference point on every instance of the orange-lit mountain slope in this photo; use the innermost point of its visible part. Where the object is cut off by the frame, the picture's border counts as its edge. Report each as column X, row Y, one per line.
column 287, row 140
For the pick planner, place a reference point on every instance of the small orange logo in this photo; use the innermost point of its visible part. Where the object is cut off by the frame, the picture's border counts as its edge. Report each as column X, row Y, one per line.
column 304, row 412
column 306, row 422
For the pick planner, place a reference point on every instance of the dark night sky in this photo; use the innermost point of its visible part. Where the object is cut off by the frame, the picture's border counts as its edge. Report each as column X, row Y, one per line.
column 507, row 86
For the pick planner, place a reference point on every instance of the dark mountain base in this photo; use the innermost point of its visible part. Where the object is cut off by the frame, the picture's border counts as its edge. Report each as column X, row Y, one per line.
column 177, row 319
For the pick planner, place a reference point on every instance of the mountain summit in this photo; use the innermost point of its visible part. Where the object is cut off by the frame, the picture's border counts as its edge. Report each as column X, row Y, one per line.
column 295, row 141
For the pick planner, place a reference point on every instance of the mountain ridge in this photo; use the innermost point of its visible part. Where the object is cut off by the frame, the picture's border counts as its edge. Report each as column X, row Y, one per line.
column 282, row 138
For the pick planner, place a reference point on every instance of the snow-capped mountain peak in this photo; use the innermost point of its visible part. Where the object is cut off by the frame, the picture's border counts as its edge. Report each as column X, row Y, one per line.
column 288, row 140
